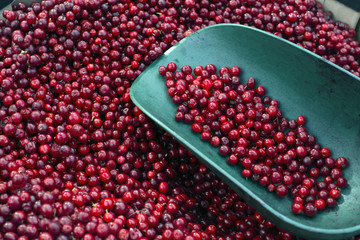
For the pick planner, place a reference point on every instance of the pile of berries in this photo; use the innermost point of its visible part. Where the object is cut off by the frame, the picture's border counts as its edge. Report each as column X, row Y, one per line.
column 249, row 128
column 78, row 160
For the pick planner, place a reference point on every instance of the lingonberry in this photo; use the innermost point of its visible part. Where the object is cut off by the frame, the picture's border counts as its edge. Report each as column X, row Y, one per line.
column 281, row 190
column 330, row 202
column 320, row 204
column 335, row 193
column 341, row 162
column 233, row 159
column 300, row 120
column 310, row 209
column 341, row 182
column 297, row 208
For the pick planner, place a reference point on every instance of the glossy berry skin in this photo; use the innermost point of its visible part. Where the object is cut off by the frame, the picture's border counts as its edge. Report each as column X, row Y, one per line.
column 320, row 204
column 297, row 208
column 310, row 209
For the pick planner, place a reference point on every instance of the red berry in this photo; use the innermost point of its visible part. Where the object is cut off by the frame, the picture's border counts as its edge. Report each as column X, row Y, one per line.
column 297, row 208
column 163, row 187
column 320, row 204
column 310, row 209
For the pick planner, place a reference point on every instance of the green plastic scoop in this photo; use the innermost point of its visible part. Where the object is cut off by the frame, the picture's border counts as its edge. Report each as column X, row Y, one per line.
column 303, row 83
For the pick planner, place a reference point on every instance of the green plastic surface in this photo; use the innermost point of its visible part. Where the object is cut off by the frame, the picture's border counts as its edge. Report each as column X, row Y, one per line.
column 303, row 83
